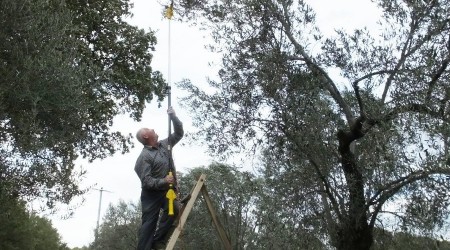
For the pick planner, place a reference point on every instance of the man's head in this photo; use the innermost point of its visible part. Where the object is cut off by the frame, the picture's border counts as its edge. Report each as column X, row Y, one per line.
column 147, row 136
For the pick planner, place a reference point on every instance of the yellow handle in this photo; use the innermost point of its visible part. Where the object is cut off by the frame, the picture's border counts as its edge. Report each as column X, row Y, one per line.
column 171, row 196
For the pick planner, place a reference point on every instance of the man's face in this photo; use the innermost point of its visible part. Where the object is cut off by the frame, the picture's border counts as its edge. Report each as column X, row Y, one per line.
column 152, row 135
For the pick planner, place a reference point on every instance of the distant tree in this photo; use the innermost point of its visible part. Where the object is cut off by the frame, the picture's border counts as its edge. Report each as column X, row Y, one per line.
column 119, row 228
column 67, row 69
column 43, row 235
column 82, row 248
column 350, row 124
column 20, row 229
column 15, row 226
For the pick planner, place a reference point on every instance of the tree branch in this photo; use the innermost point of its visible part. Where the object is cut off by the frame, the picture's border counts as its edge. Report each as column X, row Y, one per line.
column 392, row 188
column 414, row 26
column 359, row 99
column 327, row 187
column 381, row 72
column 401, row 61
column 327, row 81
column 413, row 107
column 436, row 77
column 312, row 160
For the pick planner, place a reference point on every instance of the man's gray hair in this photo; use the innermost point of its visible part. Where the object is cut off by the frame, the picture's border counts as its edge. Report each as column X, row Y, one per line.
column 139, row 136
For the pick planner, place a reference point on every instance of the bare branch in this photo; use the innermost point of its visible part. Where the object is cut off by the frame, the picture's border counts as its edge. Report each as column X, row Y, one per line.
column 381, row 72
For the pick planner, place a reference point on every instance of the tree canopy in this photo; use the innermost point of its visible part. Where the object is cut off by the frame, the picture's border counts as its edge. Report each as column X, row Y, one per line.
column 20, row 229
column 350, row 147
column 67, row 69
column 119, row 229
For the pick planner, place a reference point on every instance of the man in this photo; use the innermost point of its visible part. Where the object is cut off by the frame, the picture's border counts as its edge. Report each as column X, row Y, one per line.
column 152, row 167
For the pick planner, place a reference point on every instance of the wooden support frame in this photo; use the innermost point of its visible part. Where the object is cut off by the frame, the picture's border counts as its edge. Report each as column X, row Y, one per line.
column 184, row 213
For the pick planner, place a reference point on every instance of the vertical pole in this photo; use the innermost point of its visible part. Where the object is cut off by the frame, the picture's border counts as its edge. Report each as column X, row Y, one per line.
column 168, row 106
column 169, row 73
column 98, row 213
column 169, row 53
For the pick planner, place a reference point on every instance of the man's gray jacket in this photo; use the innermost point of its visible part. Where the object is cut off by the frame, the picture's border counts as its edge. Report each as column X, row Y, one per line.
column 153, row 164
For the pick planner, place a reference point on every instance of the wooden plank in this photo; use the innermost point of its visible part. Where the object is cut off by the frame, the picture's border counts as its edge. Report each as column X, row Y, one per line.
column 222, row 234
column 186, row 210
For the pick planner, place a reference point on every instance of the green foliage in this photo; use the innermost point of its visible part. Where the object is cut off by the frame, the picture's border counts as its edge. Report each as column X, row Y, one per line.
column 44, row 236
column 67, row 69
column 15, row 226
column 82, row 248
column 120, row 54
column 344, row 145
column 21, row 230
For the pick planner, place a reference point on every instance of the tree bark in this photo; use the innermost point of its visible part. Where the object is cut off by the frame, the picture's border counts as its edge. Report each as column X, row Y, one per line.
column 354, row 231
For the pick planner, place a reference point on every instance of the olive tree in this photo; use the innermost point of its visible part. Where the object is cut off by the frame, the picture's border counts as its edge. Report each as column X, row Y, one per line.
column 67, row 69
column 352, row 146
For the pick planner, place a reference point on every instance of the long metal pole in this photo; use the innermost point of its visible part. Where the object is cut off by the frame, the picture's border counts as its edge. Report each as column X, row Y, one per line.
column 99, row 208
column 169, row 73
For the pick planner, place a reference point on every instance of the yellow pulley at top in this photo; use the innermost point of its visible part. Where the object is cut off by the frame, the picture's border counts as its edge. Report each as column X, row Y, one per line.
column 169, row 11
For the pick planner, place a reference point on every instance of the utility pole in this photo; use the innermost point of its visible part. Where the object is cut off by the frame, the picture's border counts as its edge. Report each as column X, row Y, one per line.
column 99, row 209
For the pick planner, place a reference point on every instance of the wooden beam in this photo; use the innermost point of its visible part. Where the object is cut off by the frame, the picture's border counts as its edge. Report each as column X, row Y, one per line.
column 222, row 234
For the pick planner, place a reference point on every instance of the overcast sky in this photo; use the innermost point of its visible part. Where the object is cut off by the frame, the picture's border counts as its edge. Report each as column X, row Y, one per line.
column 189, row 60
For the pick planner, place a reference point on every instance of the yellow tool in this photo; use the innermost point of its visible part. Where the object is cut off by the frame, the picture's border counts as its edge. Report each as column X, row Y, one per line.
column 171, row 196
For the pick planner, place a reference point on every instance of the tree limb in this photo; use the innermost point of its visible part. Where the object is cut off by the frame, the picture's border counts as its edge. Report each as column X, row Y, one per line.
column 401, row 61
column 392, row 188
column 413, row 107
column 436, row 77
column 359, row 99
column 381, row 72
column 327, row 187
column 327, row 81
